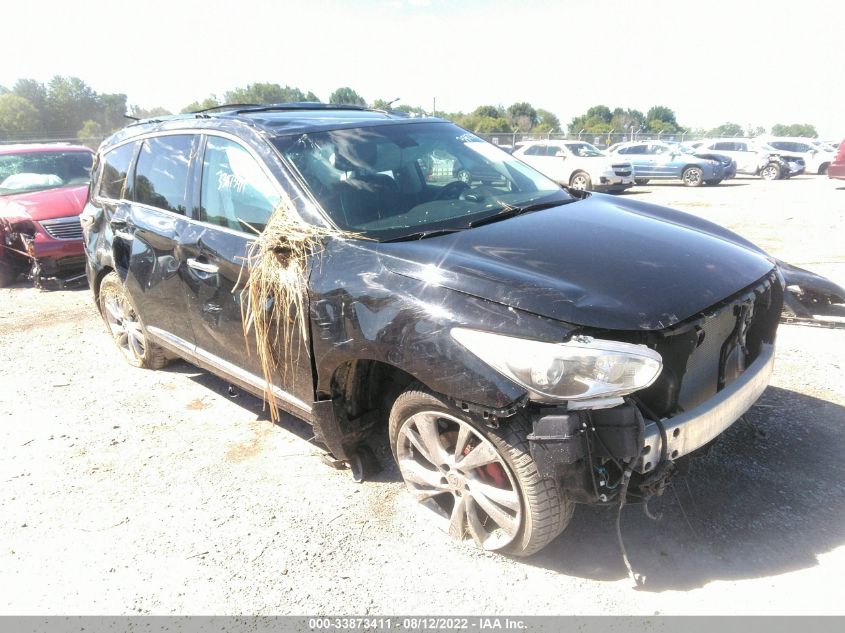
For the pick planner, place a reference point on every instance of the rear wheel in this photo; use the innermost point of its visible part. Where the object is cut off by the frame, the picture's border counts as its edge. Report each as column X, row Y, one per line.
column 823, row 169
column 693, row 176
column 770, row 172
column 641, row 181
column 126, row 327
column 580, row 181
column 482, row 482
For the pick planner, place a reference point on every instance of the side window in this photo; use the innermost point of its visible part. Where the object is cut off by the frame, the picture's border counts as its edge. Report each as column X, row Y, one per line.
column 536, row 150
column 115, row 167
column 740, row 147
column 724, row 146
column 552, row 150
column 161, row 176
column 637, row 149
column 802, row 147
column 236, row 193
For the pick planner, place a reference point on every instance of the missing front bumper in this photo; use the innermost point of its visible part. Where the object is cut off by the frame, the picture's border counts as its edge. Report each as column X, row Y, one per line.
column 693, row 429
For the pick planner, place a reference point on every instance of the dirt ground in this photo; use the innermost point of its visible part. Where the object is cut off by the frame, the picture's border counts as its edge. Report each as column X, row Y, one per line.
column 127, row 491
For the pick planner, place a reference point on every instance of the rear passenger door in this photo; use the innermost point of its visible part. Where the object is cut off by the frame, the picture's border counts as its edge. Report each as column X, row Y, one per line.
column 147, row 228
column 235, row 197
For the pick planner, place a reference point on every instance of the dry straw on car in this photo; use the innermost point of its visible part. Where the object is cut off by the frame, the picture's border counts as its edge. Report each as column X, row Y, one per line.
column 273, row 294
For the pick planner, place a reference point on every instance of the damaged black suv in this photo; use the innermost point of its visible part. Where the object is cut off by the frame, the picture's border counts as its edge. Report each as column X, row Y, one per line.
column 527, row 347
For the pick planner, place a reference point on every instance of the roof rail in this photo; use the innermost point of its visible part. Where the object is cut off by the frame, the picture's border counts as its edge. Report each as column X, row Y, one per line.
column 225, row 105
column 303, row 105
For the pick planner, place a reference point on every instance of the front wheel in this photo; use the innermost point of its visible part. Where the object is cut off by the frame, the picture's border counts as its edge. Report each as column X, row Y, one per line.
column 482, row 481
column 641, row 181
column 712, row 183
column 126, row 327
column 693, row 176
column 580, row 181
column 770, row 172
column 823, row 169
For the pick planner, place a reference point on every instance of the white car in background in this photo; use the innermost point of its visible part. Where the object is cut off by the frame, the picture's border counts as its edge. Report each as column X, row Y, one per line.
column 815, row 154
column 577, row 165
column 757, row 159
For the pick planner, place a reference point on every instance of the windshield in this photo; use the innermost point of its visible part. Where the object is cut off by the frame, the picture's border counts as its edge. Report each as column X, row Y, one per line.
column 36, row 171
column 584, row 149
column 393, row 180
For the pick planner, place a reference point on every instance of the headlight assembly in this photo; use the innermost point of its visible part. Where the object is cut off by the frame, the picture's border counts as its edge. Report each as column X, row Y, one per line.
column 580, row 369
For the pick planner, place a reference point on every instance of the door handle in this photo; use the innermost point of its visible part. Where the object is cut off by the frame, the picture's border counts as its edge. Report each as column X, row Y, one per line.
column 204, row 267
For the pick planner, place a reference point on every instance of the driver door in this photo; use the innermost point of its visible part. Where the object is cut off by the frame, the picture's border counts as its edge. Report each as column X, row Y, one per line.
column 237, row 195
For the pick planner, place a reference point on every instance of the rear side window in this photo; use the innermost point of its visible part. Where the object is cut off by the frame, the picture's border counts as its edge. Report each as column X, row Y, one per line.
column 536, row 150
column 161, row 177
column 725, row 147
column 236, row 193
column 115, row 167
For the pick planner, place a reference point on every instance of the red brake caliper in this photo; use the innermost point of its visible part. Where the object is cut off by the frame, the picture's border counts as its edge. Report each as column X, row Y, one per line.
column 491, row 473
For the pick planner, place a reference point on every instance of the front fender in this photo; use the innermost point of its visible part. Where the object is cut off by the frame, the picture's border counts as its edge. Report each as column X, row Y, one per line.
column 361, row 310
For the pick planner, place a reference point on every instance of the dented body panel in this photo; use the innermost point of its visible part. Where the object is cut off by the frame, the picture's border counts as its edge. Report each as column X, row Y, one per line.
column 380, row 314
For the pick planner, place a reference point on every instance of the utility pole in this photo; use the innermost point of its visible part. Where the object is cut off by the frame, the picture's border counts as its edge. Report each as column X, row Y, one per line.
column 433, row 106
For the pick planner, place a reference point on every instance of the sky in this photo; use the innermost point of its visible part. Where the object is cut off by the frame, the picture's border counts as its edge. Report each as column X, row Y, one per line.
column 712, row 61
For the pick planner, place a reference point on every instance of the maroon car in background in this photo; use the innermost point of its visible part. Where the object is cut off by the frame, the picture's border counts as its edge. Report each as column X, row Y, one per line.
column 42, row 192
column 837, row 167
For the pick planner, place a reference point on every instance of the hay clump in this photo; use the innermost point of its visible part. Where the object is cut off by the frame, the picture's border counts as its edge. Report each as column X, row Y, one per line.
column 273, row 295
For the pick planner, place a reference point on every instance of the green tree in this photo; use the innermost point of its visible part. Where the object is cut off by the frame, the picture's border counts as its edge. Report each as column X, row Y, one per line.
column 493, row 112
column 726, row 129
column 148, row 113
column 267, row 93
column 346, row 96
column 752, row 131
column 547, row 121
column 112, row 109
column 522, row 116
column 18, row 117
column 91, row 133
column 209, row 102
column 70, row 102
column 36, row 93
column 795, row 129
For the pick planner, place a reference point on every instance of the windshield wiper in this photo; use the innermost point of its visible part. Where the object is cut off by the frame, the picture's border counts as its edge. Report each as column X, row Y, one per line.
column 421, row 235
column 510, row 211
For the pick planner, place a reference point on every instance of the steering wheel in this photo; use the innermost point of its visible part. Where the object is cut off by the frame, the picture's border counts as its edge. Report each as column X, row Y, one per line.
column 452, row 190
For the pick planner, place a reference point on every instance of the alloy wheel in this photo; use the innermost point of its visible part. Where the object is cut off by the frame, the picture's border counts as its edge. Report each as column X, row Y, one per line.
column 125, row 328
column 451, row 468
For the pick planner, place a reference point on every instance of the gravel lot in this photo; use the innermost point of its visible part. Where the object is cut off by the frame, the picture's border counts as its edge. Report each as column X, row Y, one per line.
column 130, row 491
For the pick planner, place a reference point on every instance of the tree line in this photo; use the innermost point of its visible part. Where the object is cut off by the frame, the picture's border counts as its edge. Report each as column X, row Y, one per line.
column 68, row 108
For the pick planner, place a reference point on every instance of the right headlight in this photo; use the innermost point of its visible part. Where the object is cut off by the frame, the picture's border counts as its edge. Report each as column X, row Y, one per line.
column 579, row 369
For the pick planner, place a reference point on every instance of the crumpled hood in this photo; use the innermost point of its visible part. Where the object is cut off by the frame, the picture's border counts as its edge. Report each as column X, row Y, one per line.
column 601, row 262
column 45, row 205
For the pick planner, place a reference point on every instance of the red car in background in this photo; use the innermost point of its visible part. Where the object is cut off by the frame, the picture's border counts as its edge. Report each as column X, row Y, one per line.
column 42, row 192
column 837, row 167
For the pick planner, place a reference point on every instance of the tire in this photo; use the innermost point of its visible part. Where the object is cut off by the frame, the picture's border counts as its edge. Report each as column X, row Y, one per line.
column 126, row 327
column 693, row 176
column 530, row 511
column 771, row 172
column 823, row 169
column 713, row 183
column 641, row 181
column 580, row 181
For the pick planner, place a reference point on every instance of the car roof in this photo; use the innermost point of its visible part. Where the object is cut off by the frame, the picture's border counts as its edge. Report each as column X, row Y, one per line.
column 279, row 119
column 32, row 148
